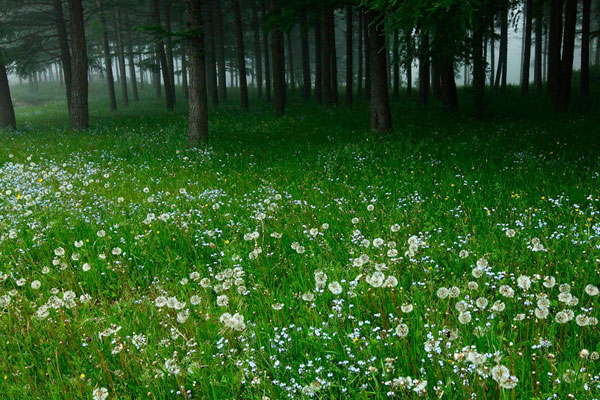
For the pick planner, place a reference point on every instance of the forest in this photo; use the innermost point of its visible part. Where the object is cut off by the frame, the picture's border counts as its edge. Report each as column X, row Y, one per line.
column 269, row 199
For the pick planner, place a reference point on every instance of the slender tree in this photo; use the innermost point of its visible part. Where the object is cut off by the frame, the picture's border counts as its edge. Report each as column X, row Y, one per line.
column 198, row 116
column 162, row 59
column 585, row 47
column 396, row 65
column 7, row 111
column 121, row 57
column 241, row 54
column 349, row 63
column 359, row 78
column 218, row 17
column 211, row 58
column 527, row 46
column 277, row 62
column 424, row 68
column 257, row 51
column 78, row 113
column 110, row 82
column 266, row 53
column 63, row 44
column 381, row 117
column 130, row 56
column 566, row 65
column 169, row 50
column 539, row 42
column 306, row 85
column 318, row 64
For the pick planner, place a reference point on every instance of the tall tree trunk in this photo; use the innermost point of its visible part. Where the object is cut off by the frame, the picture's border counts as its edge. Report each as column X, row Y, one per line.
column 218, row 17
column 527, row 49
column 585, row 48
column 241, row 54
column 381, row 116
column 291, row 60
column 424, row 69
column 169, row 50
column 110, row 82
column 63, row 44
column 318, row 64
column 156, row 73
column 266, row 51
column 7, row 111
column 140, row 63
column 78, row 115
column 492, row 51
column 396, row 61
column 162, row 58
column 566, row 65
column 367, row 56
column 349, row 62
column 332, row 47
column 121, row 57
column 257, row 52
column 503, row 55
column 326, row 61
column 198, row 117
column 278, row 63
column 448, row 85
column 554, row 47
column 136, row 96
column 212, row 57
column 184, row 72
column 359, row 78
column 479, row 63
column 305, row 58
column 409, row 61
column 539, row 43
column 436, row 85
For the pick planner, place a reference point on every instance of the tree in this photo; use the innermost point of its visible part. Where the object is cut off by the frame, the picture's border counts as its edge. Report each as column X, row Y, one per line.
column 381, row 117
column 305, row 58
column 130, row 56
column 78, row 113
column 169, row 50
column 539, row 42
column 121, row 57
column 162, row 59
column 527, row 46
column 566, row 63
column 241, row 55
column 218, row 17
column 349, row 69
column 63, row 43
column 266, row 53
column 585, row 48
column 257, row 51
column 318, row 64
column 7, row 111
column 110, row 82
column 277, row 62
column 211, row 58
column 198, row 116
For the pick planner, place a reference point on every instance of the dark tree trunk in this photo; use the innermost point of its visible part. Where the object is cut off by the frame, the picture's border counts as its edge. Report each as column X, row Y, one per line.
column 539, row 43
column 326, row 61
column 424, row 69
column 78, row 115
column 162, row 58
column 198, row 118
column 136, row 96
column 257, row 52
column 110, row 81
column 184, row 72
column 479, row 64
column 367, row 56
column 585, row 48
column 492, row 52
column 241, row 54
column 218, row 17
column 349, row 62
column 266, row 51
column 359, row 78
column 305, row 59
column 503, row 55
column 381, row 116
column 7, row 111
column 156, row 73
column 396, row 63
column 278, row 64
column 121, row 57
column 435, row 78
column 212, row 58
column 409, row 61
column 291, row 60
column 527, row 49
column 566, row 64
column 63, row 44
column 332, row 47
column 318, row 64
column 448, row 85
column 554, row 47
column 169, row 50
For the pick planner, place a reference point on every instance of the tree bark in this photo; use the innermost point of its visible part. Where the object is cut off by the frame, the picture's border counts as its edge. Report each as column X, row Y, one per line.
column 396, row 61
column 349, row 62
column 424, row 69
column 136, row 96
column 326, row 61
column 359, row 78
column 63, row 44
column 381, row 117
column 291, row 60
column 585, row 48
column 278, row 64
column 448, row 85
column 367, row 56
column 479, row 64
column 212, row 58
column 121, row 57
column 539, row 43
column 78, row 115
column 241, row 54
column 266, row 52
column 7, row 111
column 332, row 47
column 162, row 58
column 198, row 117
column 218, row 17
column 257, row 51
column 169, row 50
column 503, row 55
column 318, row 64
column 306, row 84
column 110, row 82
column 554, row 47
column 566, row 65
column 527, row 49
column 184, row 72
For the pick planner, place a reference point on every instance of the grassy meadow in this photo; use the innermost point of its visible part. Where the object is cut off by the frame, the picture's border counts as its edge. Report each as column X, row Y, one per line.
column 302, row 256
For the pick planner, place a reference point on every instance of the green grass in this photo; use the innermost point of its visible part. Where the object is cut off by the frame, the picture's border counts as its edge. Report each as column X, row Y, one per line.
column 452, row 181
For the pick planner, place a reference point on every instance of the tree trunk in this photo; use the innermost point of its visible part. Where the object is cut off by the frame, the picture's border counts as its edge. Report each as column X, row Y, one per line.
column 566, row 65
column 121, row 57
column 306, row 85
column 332, row 47
column 554, row 47
column 198, row 117
column 78, row 115
column 110, row 82
column 63, row 44
column 162, row 58
column 257, row 52
column 585, row 48
column 156, row 73
column 169, row 50
column 318, row 64
column 7, row 111
column 278, row 63
column 136, row 96
column 448, row 85
column 218, row 17
column 424, row 69
column 212, row 57
column 291, row 60
column 396, row 61
column 539, row 42
column 479, row 64
column 241, row 54
column 184, row 72
column 503, row 55
column 367, row 56
column 409, row 61
column 349, row 62
column 359, row 78
column 492, row 52
column 326, row 62
column 266, row 51
column 381, row 117
column 527, row 48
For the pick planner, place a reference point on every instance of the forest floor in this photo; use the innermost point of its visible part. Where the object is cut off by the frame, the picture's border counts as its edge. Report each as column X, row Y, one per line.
column 300, row 256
